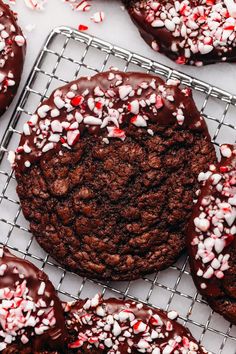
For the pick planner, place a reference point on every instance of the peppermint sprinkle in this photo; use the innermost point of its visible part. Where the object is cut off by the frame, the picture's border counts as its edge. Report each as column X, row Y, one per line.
column 35, row 4
column 98, row 17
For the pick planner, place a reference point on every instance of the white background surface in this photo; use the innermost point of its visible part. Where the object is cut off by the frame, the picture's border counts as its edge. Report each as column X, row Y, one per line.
column 116, row 28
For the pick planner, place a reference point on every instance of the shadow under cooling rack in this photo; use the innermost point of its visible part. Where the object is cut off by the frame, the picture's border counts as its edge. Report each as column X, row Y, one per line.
column 66, row 55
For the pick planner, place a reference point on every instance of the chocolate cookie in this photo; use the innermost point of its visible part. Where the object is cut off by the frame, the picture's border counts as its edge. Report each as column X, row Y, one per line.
column 194, row 32
column 31, row 315
column 211, row 236
column 12, row 52
column 107, row 170
column 118, row 326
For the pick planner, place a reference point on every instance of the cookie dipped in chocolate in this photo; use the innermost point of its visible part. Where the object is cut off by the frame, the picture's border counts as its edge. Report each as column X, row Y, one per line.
column 12, row 53
column 211, row 235
column 31, row 317
column 107, row 169
column 194, row 32
column 115, row 326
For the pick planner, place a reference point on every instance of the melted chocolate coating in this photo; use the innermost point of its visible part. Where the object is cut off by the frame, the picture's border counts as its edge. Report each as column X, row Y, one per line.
column 17, row 272
column 108, row 325
column 164, row 118
column 214, row 276
column 11, row 56
column 175, row 46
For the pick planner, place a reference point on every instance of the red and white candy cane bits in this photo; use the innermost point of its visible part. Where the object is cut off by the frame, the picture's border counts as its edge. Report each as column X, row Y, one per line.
column 12, row 51
column 211, row 235
column 189, row 32
column 31, row 314
column 115, row 326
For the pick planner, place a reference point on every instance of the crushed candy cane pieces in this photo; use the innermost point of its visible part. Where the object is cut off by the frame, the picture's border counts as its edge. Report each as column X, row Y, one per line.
column 125, row 326
column 98, row 17
column 215, row 219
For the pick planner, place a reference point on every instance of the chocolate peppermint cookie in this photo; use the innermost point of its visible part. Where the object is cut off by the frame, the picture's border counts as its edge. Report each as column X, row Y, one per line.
column 12, row 52
column 31, row 315
column 211, row 236
column 107, row 170
column 123, row 326
column 192, row 32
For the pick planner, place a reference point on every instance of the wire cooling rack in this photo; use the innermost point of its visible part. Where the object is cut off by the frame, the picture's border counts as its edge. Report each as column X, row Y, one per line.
column 66, row 55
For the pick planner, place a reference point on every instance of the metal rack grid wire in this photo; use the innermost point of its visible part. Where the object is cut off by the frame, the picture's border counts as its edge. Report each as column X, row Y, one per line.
column 68, row 54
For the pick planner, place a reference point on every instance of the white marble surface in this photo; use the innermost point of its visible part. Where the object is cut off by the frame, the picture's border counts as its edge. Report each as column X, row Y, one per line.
column 116, row 28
